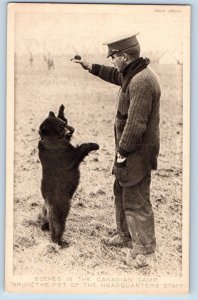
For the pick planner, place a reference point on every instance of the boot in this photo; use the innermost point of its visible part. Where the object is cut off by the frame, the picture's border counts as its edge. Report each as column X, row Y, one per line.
column 140, row 260
column 118, row 241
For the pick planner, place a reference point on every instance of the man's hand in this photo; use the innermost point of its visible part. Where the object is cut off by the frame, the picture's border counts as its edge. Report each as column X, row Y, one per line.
column 79, row 60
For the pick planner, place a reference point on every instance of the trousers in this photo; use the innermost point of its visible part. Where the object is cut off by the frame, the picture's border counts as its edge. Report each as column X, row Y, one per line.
column 134, row 215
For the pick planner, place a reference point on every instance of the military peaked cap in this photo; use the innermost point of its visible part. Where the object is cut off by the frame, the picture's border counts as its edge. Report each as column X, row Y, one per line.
column 122, row 44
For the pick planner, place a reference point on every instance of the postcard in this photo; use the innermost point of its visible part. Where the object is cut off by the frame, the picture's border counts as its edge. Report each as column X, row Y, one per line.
column 97, row 148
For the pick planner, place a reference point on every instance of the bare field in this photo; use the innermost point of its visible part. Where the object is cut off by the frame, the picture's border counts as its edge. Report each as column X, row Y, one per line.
column 90, row 108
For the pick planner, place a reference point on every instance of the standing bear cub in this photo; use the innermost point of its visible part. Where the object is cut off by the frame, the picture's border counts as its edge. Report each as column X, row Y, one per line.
column 60, row 171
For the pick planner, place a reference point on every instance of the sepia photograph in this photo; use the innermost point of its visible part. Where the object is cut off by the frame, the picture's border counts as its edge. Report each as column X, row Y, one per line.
column 97, row 148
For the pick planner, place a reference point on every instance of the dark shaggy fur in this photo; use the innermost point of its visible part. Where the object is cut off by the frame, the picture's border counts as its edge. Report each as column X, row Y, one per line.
column 60, row 171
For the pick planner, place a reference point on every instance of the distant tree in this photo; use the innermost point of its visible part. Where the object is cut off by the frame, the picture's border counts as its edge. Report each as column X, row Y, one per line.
column 50, row 62
column 31, row 59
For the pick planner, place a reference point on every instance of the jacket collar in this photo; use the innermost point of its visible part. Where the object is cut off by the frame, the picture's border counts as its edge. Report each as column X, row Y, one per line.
column 132, row 69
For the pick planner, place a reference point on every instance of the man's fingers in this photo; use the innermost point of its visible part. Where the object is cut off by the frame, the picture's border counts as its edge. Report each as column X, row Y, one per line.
column 76, row 61
column 84, row 64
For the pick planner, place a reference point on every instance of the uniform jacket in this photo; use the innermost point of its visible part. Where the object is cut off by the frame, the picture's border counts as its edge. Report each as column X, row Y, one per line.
column 136, row 121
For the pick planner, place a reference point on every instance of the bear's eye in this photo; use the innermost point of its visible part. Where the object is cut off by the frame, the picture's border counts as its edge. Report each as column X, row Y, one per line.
column 44, row 131
column 62, row 126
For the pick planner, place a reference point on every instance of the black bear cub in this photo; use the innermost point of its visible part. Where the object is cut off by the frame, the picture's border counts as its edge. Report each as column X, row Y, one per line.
column 60, row 162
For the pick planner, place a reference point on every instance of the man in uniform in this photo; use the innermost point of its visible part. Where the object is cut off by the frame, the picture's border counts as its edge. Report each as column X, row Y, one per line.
column 137, row 145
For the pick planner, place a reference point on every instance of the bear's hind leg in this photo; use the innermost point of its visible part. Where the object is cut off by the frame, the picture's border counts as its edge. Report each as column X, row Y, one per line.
column 44, row 219
column 57, row 217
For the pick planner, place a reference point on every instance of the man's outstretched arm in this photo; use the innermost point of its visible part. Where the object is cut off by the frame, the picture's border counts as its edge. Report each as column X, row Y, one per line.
column 109, row 74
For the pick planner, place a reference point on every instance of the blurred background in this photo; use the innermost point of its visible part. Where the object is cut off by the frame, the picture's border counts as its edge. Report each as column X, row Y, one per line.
column 83, row 29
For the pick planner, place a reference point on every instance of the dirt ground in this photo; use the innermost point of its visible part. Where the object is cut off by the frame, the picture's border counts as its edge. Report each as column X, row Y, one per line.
column 90, row 107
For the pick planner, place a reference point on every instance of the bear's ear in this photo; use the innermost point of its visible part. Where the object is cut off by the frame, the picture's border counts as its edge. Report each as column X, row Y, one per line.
column 51, row 114
column 61, row 114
